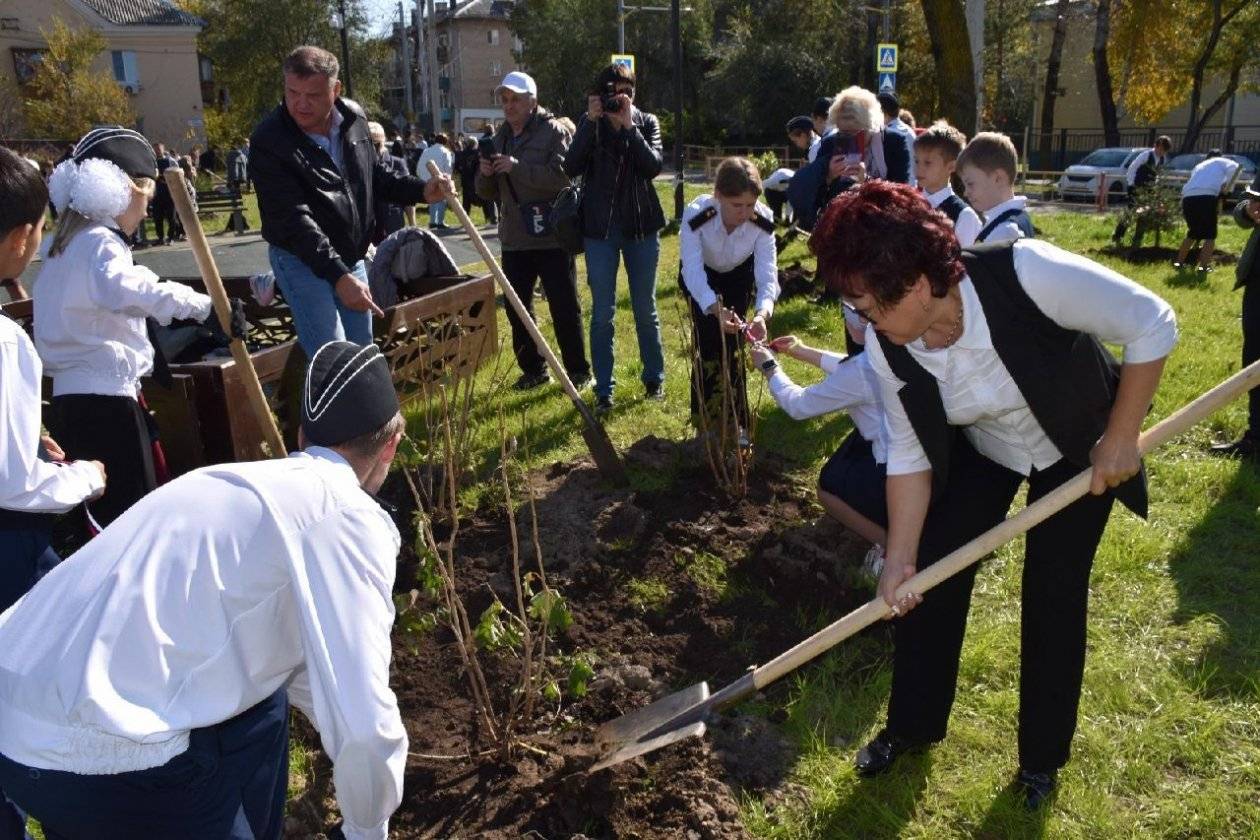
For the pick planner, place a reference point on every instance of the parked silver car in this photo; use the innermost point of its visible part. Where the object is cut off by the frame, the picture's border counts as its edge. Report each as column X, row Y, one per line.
column 1178, row 170
column 1081, row 180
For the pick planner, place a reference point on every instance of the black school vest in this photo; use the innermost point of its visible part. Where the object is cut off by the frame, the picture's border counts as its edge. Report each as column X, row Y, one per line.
column 952, row 206
column 1067, row 377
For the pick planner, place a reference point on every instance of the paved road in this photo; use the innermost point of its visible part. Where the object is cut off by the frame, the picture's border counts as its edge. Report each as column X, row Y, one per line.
column 244, row 255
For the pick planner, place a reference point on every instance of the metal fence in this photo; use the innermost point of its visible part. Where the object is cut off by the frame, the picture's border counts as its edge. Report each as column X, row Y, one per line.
column 1067, row 146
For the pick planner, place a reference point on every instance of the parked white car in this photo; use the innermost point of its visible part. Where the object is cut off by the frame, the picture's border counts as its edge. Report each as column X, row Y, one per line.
column 1081, row 180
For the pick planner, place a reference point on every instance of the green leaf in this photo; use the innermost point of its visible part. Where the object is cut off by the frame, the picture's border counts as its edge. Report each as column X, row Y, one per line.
column 551, row 691
column 550, row 607
column 581, row 671
column 493, row 633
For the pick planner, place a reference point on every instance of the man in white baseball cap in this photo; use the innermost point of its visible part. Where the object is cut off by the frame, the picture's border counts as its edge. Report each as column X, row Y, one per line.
column 524, row 175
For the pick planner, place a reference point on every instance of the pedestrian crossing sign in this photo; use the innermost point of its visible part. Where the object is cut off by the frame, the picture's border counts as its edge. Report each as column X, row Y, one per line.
column 886, row 58
column 887, row 82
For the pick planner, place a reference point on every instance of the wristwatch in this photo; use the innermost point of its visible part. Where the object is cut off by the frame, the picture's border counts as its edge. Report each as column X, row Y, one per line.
column 768, row 366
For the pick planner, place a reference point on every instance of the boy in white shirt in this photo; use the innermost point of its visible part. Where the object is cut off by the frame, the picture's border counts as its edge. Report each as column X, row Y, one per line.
column 987, row 168
column 936, row 153
column 1200, row 200
column 145, row 681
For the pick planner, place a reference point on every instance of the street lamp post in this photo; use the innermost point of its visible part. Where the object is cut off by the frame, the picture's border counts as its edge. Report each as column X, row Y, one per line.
column 345, row 50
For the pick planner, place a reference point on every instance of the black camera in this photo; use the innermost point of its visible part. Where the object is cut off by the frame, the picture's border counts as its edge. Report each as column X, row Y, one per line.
column 608, row 100
column 485, row 147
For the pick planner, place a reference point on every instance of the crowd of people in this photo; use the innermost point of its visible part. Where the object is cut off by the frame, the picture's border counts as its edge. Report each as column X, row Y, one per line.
column 163, row 656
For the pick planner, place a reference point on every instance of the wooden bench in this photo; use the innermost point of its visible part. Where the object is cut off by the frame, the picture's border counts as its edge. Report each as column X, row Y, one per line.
column 214, row 202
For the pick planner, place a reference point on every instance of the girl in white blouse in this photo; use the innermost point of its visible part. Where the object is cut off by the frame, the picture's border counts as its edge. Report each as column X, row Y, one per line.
column 993, row 373
column 729, row 263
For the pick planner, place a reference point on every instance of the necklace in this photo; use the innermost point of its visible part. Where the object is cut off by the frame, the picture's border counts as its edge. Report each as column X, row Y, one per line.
column 954, row 330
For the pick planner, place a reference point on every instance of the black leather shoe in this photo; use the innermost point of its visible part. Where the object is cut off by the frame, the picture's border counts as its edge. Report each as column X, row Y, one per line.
column 1245, row 447
column 877, row 756
column 1036, row 787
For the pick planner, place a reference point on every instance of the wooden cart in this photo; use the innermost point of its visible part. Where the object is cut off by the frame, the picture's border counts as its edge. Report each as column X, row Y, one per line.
column 443, row 326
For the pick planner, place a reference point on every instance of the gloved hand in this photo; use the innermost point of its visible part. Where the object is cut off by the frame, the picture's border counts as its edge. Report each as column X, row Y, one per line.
column 238, row 324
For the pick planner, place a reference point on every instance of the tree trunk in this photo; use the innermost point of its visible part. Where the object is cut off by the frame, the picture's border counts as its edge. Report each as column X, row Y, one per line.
column 1197, row 125
column 951, row 52
column 1195, row 121
column 1052, row 82
column 1102, row 75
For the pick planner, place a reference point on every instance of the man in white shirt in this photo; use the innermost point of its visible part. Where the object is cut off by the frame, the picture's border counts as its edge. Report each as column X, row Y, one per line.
column 144, row 682
column 1210, row 179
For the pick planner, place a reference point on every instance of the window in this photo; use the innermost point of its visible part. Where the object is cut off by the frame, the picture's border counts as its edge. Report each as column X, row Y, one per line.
column 493, row 37
column 496, row 69
column 125, row 70
column 25, row 63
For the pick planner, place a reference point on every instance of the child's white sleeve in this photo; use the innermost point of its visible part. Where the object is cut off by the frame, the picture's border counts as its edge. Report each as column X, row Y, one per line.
column 118, row 284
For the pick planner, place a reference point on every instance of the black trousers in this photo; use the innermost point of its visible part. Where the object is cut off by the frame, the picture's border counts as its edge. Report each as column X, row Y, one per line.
column 1251, row 346
column 558, row 273
column 115, row 431
column 1057, row 562
column 163, row 216
column 736, row 289
column 1122, row 225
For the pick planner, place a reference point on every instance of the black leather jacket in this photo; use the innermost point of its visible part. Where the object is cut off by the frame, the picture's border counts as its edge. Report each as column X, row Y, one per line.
column 322, row 216
column 618, row 166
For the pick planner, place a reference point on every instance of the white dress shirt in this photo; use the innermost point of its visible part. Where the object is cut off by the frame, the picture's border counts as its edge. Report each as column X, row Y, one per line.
column 1210, row 177
column 968, row 223
column 1008, row 230
column 851, row 385
column 28, row 483
column 199, row 602
column 978, row 391
column 713, row 246
column 1130, row 174
column 90, row 304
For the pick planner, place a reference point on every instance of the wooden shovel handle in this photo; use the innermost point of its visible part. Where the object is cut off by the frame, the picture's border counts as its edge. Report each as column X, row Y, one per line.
column 214, row 287
column 509, row 293
column 999, row 535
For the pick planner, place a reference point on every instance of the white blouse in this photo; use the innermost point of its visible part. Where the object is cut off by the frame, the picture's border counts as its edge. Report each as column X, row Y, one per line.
column 850, row 386
column 976, row 388
column 968, row 223
column 713, row 246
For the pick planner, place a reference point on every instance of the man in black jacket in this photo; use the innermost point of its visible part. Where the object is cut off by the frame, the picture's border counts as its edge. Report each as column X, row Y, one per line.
column 318, row 179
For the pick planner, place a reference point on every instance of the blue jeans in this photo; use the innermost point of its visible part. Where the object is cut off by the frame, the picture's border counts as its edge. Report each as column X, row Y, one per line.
column 437, row 213
column 318, row 314
column 230, row 784
column 26, row 555
column 602, row 259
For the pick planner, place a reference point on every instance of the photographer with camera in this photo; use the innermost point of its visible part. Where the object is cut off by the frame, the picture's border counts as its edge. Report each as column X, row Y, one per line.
column 522, row 167
column 617, row 149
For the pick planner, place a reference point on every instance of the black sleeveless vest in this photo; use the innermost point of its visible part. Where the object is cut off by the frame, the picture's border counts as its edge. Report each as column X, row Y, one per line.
column 1068, row 378
column 952, row 206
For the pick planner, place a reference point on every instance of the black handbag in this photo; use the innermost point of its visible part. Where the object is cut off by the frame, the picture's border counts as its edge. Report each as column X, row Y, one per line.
column 566, row 218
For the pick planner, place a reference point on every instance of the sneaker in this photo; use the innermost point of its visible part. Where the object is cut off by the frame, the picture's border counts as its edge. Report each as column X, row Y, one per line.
column 1204, row 269
column 655, row 391
column 1178, row 265
column 529, row 381
column 1245, row 447
column 581, row 383
column 603, row 405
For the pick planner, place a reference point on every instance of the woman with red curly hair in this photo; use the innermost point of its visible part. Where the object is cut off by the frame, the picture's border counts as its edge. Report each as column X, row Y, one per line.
column 993, row 373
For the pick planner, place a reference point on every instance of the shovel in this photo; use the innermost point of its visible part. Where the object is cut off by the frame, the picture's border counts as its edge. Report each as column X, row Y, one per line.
column 684, row 714
column 214, row 287
column 602, row 451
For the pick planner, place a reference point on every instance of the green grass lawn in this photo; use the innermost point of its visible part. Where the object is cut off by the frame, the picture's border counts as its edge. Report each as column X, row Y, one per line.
column 1168, row 743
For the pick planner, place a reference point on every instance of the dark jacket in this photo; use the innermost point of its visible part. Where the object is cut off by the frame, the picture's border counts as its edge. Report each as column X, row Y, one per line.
column 898, row 140
column 618, row 167
column 389, row 215
column 537, row 176
column 1068, row 378
column 320, row 215
column 1248, row 268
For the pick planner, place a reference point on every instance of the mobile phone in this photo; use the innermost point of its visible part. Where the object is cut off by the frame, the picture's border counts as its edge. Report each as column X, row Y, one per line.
column 485, row 147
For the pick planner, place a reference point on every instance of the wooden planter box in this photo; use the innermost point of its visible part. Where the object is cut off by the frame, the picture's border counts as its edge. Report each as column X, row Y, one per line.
column 443, row 327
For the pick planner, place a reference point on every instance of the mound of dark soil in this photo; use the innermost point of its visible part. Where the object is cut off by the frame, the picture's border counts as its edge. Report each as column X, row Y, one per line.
column 667, row 588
